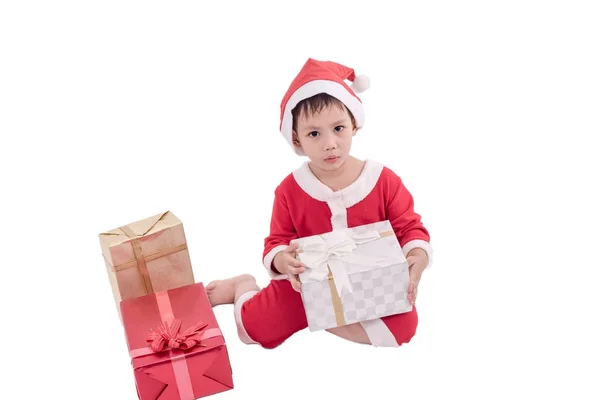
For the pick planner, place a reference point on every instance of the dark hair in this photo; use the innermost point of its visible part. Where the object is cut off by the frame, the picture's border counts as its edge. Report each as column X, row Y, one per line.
column 316, row 104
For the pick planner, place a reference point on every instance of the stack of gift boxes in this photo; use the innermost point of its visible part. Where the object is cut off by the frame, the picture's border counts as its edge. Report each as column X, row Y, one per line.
column 176, row 347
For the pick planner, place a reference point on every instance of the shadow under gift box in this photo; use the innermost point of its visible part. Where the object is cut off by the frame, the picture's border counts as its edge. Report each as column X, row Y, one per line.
column 185, row 363
column 146, row 256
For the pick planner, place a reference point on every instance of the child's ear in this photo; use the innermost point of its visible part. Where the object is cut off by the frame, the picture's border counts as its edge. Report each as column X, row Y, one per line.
column 295, row 139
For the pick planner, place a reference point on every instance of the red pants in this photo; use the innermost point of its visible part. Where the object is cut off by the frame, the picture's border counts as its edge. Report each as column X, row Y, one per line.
column 269, row 317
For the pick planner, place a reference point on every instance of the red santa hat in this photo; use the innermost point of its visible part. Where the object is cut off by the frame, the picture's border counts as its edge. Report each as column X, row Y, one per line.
column 323, row 77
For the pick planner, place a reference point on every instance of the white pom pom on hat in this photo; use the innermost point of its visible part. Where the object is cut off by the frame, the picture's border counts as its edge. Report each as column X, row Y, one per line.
column 323, row 77
column 361, row 83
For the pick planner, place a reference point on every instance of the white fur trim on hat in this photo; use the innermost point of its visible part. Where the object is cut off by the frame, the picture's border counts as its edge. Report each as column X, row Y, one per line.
column 315, row 87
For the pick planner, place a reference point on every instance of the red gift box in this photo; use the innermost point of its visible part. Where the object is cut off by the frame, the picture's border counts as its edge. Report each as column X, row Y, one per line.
column 177, row 349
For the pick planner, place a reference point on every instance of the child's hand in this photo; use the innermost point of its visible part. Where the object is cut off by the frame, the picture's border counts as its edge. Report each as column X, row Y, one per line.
column 417, row 261
column 285, row 262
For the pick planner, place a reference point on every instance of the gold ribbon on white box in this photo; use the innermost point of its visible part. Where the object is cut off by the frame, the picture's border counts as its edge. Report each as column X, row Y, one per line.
column 340, row 253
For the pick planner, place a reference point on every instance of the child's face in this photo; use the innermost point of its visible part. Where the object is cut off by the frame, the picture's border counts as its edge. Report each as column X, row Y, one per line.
column 326, row 137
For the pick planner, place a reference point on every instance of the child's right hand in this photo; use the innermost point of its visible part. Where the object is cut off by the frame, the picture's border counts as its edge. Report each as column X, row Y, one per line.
column 285, row 262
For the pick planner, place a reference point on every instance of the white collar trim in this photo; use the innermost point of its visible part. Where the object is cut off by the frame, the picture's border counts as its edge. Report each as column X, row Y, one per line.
column 351, row 195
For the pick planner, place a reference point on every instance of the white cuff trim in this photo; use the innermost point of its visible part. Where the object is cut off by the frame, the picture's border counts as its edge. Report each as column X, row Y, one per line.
column 421, row 244
column 269, row 259
column 237, row 312
column 379, row 334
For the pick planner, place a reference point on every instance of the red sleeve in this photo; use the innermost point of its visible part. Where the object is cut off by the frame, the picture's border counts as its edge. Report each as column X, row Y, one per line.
column 407, row 224
column 281, row 231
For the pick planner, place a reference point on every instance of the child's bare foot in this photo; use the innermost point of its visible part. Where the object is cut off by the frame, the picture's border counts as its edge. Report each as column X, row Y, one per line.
column 223, row 291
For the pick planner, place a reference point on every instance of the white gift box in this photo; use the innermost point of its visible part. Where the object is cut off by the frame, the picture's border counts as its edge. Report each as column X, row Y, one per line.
column 353, row 275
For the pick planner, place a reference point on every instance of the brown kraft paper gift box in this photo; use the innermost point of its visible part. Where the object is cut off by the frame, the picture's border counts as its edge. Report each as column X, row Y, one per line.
column 146, row 256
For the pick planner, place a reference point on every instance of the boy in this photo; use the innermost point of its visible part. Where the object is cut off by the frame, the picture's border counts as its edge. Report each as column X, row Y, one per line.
column 320, row 115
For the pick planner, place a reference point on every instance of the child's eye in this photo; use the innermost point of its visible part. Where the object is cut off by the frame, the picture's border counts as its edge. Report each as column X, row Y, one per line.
column 313, row 134
column 339, row 128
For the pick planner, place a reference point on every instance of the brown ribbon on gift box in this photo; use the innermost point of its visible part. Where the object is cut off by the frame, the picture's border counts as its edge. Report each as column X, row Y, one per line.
column 338, row 308
column 140, row 258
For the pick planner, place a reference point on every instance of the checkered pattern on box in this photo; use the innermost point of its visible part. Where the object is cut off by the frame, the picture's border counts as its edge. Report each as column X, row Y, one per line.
column 376, row 293
column 318, row 305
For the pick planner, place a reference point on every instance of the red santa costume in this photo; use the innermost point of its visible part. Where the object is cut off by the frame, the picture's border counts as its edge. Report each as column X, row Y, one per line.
column 304, row 206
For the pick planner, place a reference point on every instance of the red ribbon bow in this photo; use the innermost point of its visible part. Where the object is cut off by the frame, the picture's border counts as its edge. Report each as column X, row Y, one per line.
column 168, row 336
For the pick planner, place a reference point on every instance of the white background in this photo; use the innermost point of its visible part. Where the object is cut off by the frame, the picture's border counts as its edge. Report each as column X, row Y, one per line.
column 114, row 111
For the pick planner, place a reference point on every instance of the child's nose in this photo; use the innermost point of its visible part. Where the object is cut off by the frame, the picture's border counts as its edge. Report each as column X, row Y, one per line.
column 330, row 142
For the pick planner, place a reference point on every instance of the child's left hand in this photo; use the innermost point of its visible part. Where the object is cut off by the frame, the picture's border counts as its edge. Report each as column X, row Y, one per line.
column 417, row 261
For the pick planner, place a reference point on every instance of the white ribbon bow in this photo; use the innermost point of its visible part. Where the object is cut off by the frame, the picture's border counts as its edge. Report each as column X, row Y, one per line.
column 335, row 250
